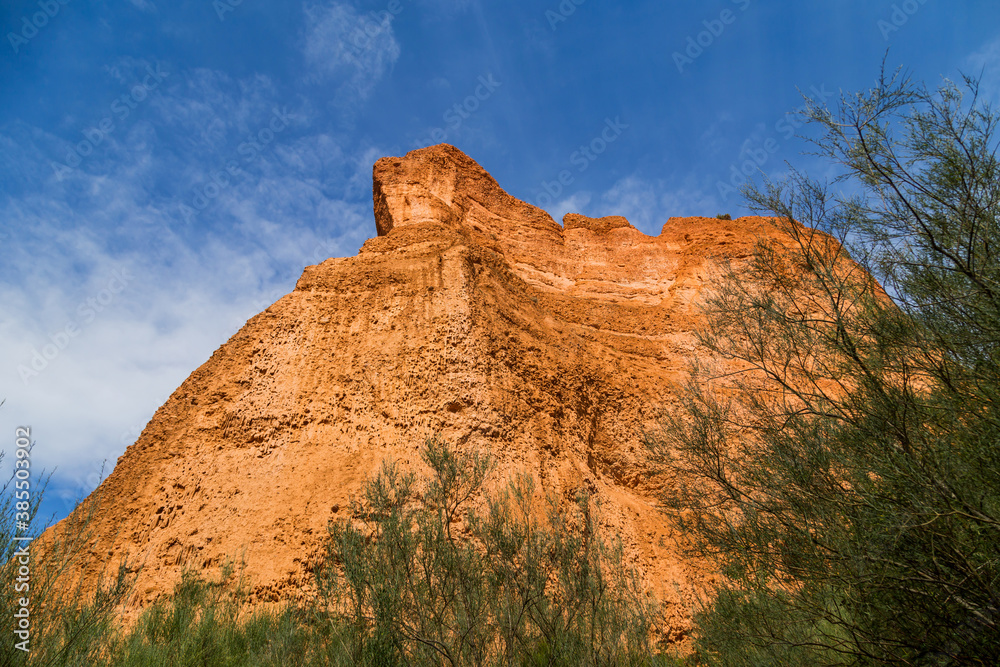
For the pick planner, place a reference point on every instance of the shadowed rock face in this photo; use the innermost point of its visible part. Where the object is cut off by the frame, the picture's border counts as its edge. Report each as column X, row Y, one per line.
column 472, row 315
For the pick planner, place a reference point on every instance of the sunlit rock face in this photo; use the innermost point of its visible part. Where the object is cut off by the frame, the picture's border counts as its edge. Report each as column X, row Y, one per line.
column 473, row 316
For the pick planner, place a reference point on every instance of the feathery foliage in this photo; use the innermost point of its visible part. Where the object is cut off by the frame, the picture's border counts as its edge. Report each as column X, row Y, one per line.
column 842, row 464
column 414, row 578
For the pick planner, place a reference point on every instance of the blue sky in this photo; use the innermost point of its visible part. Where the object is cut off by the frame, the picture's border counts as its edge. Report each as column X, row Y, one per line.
column 168, row 168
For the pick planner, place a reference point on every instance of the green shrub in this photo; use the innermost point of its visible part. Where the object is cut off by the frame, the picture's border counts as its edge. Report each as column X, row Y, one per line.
column 416, row 578
column 64, row 629
column 424, row 579
column 205, row 623
column 847, row 478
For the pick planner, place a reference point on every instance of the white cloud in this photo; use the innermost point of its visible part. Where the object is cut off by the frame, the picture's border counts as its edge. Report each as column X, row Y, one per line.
column 985, row 62
column 645, row 203
column 86, row 364
column 344, row 46
column 636, row 199
column 144, row 5
column 575, row 203
column 648, row 204
column 187, row 288
column 716, row 136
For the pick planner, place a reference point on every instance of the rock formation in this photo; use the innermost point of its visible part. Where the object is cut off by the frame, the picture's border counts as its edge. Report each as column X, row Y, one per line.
column 472, row 315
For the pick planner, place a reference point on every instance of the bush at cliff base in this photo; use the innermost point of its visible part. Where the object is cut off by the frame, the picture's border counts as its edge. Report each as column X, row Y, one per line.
column 844, row 473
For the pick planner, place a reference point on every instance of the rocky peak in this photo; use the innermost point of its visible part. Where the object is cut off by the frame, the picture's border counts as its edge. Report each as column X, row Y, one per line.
column 442, row 184
column 472, row 316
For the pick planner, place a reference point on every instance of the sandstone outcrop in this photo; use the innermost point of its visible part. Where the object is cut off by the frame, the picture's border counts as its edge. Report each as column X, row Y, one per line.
column 472, row 315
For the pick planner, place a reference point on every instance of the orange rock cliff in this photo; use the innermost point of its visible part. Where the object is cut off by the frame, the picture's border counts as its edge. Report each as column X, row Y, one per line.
column 473, row 316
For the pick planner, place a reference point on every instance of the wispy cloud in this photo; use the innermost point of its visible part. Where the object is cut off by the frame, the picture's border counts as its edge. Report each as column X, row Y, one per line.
column 985, row 62
column 144, row 5
column 267, row 120
column 575, row 203
column 84, row 354
column 353, row 50
column 647, row 203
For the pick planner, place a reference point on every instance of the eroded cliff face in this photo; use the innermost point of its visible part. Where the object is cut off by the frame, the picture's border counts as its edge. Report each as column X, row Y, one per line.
column 472, row 315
